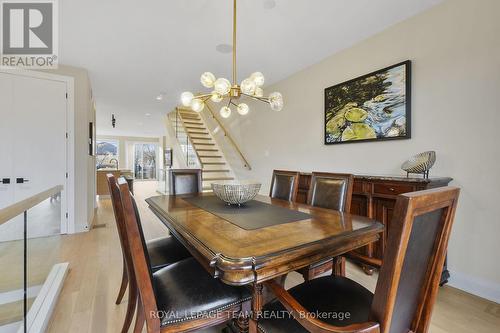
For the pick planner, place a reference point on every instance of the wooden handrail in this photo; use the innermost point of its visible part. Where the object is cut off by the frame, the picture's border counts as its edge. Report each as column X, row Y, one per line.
column 9, row 212
column 228, row 136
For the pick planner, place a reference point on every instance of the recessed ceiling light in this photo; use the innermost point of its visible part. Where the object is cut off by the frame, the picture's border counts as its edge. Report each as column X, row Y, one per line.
column 159, row 97
column 148, row 114
column 269, row 4
column 224, row 48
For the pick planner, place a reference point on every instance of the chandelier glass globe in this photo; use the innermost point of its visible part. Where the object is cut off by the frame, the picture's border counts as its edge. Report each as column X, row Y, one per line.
column 207, row 79
column 222, row 86
column 258, row 78
column 186, row 98
column 259, row 92
column 276, row 101
column 248, row 86
column 225, row 112
column 243, row 109
column 197, row 105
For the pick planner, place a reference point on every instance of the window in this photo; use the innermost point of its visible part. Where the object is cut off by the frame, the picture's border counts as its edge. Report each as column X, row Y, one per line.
column 145, row 161
column 106, row 154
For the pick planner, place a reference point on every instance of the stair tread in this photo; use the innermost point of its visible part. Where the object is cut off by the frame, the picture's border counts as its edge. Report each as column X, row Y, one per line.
column 223, row 170
column 207, row 149
column 210, row 156
column 200, row 138
column 192, row 127
column 204, row 144
column 213, row 163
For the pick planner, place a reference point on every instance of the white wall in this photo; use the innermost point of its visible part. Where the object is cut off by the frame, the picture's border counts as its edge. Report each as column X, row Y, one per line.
column 84, row 173
column 455, row 51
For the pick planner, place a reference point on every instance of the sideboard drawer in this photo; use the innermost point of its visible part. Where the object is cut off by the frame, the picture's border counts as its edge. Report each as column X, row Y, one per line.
column 393, row 189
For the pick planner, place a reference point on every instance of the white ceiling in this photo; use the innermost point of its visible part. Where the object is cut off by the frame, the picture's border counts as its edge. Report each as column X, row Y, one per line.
column 135, row 49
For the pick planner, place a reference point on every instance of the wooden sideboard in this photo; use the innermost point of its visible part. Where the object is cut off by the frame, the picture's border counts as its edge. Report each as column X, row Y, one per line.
column 375, row 197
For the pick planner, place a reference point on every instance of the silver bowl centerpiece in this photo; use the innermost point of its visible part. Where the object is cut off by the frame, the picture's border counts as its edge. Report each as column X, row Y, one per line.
column 420, row 163
column 236, row 192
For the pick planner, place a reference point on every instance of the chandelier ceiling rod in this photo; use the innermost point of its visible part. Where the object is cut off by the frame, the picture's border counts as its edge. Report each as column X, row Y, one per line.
column 234, row 42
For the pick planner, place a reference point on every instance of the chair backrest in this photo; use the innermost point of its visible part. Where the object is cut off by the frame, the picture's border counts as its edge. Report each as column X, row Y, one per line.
column 139, row 257
column 120, row 222
column 331, row 190
column 284, row 185
column 184, row 181
column 416, row 249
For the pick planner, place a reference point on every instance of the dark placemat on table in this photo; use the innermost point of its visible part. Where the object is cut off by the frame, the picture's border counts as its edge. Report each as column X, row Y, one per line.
column 251, row 215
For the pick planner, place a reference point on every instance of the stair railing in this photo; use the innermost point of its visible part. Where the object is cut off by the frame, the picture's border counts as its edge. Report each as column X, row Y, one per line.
column 184, row 138
column 228, row 136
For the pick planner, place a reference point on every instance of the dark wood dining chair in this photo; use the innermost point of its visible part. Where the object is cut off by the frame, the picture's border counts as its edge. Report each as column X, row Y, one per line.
column 406, row 288
column 284, row 185
column 180, row 297
column 184, row 181
column 161, row 251
column 331, row 191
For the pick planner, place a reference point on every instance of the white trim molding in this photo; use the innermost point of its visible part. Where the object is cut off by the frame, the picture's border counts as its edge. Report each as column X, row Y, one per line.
column 476, row 286
column 38, row 316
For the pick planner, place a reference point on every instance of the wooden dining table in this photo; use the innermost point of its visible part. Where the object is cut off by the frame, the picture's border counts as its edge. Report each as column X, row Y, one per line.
column 261, row 240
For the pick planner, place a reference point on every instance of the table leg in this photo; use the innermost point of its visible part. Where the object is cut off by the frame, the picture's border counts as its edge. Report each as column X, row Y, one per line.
column 257, row 303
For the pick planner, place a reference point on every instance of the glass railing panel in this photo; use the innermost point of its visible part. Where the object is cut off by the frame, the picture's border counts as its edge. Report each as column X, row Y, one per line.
column 162, row 185
column 12, row 275
column 189, row 155
column 29, row 253
column 43, row 248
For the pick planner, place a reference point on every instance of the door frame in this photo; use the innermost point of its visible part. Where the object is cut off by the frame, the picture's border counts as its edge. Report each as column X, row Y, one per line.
column 67, row 224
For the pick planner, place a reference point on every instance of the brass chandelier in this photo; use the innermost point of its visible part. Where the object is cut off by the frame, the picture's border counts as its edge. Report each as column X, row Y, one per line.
column 231, row 92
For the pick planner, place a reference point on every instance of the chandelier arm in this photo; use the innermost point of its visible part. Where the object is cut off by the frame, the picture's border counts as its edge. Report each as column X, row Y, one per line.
column 231, row 102
column 203, row 96
column 261, row 99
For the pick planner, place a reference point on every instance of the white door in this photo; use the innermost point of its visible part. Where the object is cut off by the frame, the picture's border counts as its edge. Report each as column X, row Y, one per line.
column 6, row 140
column 37, row 158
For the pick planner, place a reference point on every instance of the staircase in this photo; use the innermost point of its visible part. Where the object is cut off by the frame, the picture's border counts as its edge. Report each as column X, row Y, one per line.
column 196, row 139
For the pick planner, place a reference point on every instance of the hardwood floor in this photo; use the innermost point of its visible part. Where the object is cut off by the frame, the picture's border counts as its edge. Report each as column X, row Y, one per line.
column 86, row 303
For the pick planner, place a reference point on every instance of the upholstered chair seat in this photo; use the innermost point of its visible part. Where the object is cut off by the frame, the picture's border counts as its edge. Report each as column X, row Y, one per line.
column 338, row 300
column 185, row 291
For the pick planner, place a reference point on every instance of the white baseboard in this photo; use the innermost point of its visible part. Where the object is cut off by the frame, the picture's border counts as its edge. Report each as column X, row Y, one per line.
column 38, row 316
column 476, row 286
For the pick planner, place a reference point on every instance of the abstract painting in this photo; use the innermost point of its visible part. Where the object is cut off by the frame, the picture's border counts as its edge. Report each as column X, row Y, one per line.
column 372, row 107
